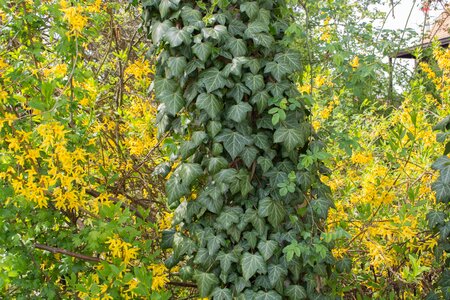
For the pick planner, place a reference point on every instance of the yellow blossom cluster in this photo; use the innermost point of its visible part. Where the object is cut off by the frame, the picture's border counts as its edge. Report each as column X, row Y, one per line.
column 121, row 249
column 160, row 276
column 73, row 15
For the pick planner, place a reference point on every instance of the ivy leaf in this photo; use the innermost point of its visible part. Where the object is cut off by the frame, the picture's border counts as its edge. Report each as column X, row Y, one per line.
column 209, row 103
column 435, row 218
column 321, row 206
column 248, row 155
column 214, row 243
column 273, row 210
column 254, row 28
column 271, row 295
column 212, row 79
column 176, row 37
column 251, row 9
column 222, row 294
column 254, row 82
column 296, row 292
column 237, row 47
column 202, row 50
column 175, row 189
column 276, row 69
column 238, row 112
column 442, row 190
column 166, row 5
column 289, row 137
column 215, row 164
column 177, row 65
column 189, row 172
column 238, row 91
column 291, row 59
column 190, row 16
column 159, row 31
column 265, row 163
column 266, row 248
column 276, row 273
column 252, row 263
column 263, row 39
column 233, row 141
column 226, row 259
column 206, row 282
column 229, row 216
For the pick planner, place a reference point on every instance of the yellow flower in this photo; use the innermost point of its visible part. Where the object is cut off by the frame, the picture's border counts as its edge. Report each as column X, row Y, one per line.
column 360, row 158
column 166, row 221
column 74, row 17
column 355, row 62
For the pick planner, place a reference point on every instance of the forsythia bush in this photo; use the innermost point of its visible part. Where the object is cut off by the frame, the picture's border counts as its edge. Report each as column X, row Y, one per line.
column 80, row 205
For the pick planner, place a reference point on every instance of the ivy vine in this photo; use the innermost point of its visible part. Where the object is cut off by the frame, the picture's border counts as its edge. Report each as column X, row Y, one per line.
column 248, row 211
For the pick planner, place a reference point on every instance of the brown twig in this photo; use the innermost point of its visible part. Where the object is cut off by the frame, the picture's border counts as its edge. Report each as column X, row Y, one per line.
column 67, row 252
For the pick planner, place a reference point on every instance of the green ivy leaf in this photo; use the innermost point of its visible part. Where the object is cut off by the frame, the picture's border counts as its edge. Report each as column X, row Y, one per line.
column 226, row 259
column 212, row 79
column 435, row 218
column 206, row 282
column 237, row 47
column 267, row 248
column 222, row 294
column 229, row 216
column 202, row 50
column 176, row 37
column 276, row 273
column 442, row 190
column 177, row 65
column 252, row 263
column 254, row 82
column 209, row 103
column 277, row 70
column 238, row 112
column 271, row 295
column 234, row 142
column 291, row 138
column 296, row 292
column 291, row 59
column 251, row 9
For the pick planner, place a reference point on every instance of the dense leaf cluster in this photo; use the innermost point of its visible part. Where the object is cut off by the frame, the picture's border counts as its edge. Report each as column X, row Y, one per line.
column 253, row 230
column 439, row 220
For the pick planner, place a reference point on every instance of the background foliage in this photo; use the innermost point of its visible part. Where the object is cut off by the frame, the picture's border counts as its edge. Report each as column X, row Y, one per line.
column 82, row 173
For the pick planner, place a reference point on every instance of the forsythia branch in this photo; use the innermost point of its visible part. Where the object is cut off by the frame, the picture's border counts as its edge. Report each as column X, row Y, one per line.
column 67, row 252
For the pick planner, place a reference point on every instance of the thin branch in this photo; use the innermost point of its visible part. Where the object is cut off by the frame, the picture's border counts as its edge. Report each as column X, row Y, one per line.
column 67, row 252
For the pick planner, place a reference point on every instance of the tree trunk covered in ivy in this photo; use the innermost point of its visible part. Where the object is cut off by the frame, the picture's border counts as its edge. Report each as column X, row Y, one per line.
column 248, row 200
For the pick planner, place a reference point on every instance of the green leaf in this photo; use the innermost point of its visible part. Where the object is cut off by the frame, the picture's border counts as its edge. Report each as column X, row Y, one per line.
column 238, row 112
column 273, row 210
column 176, row 37
column 266, row 248
column 190, row 16
column 263, row 39
column 271, row 295
column 211, row 204
column 159, row 31
column 177, row 65
column 291, row 59
column 202, row 50
column 265, row 163
column 296, row 292
column 248, row 155
column 254, row 65
column 214, row 243
column 226, row 259
column 252, row 263
column 442, row 190
column 238, row 92
column 189, row 172
column 222, row 294
column 174, row 102
column 435, row 218
column 209, row 103
column 254, row 82
column 254, row 28
column 277, row 70
column 212, row 79
column 289, row 137
column 261, row 140
column 237, row 47
column 229, row 216
column 251, row 9
column 166, row 5
column 234, row 142
column 321, row 206
column 175, row 189
column 215, row 164
column 206, row 282
column 276, row 273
